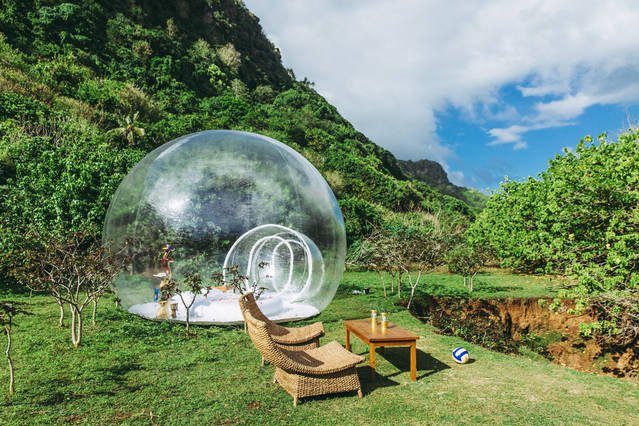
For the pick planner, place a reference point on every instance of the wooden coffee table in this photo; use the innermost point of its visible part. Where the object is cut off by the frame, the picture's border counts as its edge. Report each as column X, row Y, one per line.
column 376, row 337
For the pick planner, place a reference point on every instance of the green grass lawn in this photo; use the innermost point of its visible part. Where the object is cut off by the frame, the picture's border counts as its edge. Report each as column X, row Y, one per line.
column 132, row 371
column 494, row 283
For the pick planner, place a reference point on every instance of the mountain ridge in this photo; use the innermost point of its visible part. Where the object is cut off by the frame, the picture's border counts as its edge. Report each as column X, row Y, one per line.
column 433, row 174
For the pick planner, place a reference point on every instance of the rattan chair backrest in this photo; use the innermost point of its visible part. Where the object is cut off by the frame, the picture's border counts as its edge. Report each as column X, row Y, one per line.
column 248, row 303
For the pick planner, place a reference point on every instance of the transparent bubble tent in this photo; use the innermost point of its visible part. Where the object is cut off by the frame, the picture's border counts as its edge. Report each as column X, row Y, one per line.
column 215, row 199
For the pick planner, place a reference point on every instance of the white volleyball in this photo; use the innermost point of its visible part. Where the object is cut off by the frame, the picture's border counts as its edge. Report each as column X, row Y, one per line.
column 460, row 355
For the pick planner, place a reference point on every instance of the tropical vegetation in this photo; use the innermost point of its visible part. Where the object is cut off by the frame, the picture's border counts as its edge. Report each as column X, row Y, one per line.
column 88, row 88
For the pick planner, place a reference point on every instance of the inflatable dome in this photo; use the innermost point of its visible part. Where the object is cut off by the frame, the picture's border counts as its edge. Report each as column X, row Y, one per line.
column 217, row 201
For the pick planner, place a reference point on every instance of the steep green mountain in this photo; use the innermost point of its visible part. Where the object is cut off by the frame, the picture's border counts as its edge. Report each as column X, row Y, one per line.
column 433, row 174
column 87, row 88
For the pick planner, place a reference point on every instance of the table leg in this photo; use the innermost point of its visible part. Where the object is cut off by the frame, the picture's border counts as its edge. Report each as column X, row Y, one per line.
column 348, row 340
column 413, row 361
column 371, row 352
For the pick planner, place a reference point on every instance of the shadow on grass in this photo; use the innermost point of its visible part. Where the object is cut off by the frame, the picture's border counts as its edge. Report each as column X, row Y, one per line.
column 117, row 375
column 330, row 396
column 399, row 357
column 58, row 392
column 369, row 384
column 108, row 381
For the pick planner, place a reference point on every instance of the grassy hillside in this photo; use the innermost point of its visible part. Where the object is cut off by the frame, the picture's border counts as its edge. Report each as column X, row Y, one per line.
column 133, row 371
column 88, row 88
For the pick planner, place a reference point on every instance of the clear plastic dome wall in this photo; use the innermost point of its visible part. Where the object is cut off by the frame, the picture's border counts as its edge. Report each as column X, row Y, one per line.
column 221, row 198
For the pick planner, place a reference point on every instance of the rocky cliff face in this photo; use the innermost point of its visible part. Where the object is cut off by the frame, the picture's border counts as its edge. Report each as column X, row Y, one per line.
column 220, row 22
column 430, row 172
column 433, row 174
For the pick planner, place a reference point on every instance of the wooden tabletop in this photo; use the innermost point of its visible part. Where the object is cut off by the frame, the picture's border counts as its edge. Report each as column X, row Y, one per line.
column 364, row 329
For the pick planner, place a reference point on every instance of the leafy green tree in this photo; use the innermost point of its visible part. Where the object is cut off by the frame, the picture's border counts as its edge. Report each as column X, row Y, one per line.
column 63, row 179
column 230, row 57
column 579, row 217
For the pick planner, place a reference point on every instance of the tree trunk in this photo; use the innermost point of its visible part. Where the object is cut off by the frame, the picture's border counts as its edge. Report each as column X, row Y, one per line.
column 187, row 322
column 79, row 333
column 413, row 286
column 76, row 326
column 381, row 278
column 73, row 332
column 7, row 329
column 410, row 299
column 95, row 310
column 61, row 319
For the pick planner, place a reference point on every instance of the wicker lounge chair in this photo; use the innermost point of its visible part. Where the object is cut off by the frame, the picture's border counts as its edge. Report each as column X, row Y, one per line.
column 299, row 338
column 326, row 369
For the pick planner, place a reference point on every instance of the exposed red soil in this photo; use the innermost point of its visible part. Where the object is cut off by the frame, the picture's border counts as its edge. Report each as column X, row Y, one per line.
column 514, row 320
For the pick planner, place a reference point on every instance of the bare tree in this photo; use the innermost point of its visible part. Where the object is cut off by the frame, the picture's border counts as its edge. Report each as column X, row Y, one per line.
column 381, row 252
column 18, row 266
column 239, row 282
column 232, row 278
column 423, row 252
column 466, row 261
column 193, row 282
column 415, row 244
column 8, row 310
column 75, row 270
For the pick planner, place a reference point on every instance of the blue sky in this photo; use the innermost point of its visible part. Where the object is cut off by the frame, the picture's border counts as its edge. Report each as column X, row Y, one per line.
column 485, row 164
column 488, row 89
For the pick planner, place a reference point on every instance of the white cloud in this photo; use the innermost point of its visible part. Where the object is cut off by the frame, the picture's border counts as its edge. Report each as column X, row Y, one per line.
column 457, row 177
column 389, row 66
column 566, row 108
column 512, row 134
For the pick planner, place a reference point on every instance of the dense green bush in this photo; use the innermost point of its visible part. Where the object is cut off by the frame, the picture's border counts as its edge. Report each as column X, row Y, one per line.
column 64, row 174
column 581, row 216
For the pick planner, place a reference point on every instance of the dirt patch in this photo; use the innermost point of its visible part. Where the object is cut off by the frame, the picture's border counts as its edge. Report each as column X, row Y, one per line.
column 508, row 325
